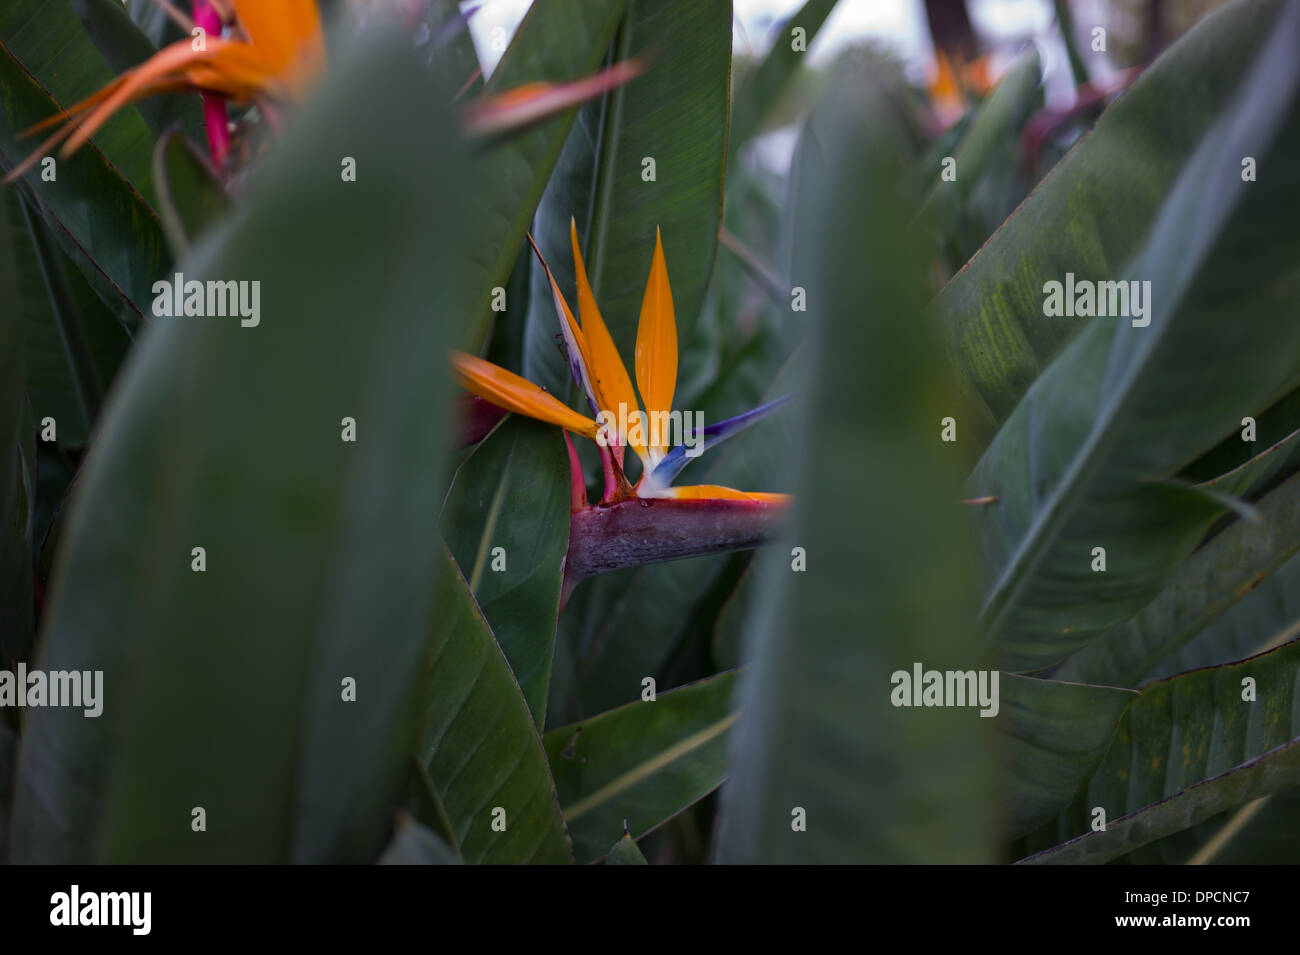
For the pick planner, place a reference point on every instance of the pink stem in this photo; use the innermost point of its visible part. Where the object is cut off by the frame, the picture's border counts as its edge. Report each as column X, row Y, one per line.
column 215, row 117
column 577, row 483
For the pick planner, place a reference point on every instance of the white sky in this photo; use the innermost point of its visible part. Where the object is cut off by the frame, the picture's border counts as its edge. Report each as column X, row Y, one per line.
column 900, row 24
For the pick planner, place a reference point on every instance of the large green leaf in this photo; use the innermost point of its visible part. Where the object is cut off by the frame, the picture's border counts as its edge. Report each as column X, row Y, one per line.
column 641, row 764
column 52, row 47
column 764, row 85
column 17, row 481
column 1079, row 463
column 513, row 494
column 676, row 115
column 124, row 45
column 1266, row 617
column 319, row 551
column 1055, row 733
column 889, row 569
column 72, row 344
column 1187, row 749
column 1090, row 215
column 1211, row 582
column 8, row 760
column 481, row 748
column 557, row 40
column 95, row 208
column 994, row 125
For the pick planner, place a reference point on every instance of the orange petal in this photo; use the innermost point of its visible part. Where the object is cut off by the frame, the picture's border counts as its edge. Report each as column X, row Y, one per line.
column 575, row 342
column 697, row 492
column 287, row 33
column 530, row 102
column 609, row 378
column 158, row 70
column 507, row 390
column 656, row 340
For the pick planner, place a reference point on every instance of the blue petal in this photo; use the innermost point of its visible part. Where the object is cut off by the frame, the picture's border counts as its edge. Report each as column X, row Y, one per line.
column 667, row 470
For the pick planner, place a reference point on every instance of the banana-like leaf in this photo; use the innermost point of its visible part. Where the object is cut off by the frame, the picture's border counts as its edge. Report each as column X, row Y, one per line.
column 1090, row 215
column 824, row 767
column 513, row 494
column 153, row 22
column 1078, row 465
column 1244, row 468
column 482, row 751
column 674, row 115
column 123, row 45
column 17, row 481
column 1187, row 749
column 291, row 644
column 559, row 40
column 996, row 121
column 763, row 87
column 1208, row 585
column 1266, row 617
column 97, row 206
column 1054, row 735
column 8, row 760
column 641, row 764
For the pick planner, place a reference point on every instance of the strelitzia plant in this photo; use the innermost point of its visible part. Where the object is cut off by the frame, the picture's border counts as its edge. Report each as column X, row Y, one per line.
column 651, row 520
column 272, row 55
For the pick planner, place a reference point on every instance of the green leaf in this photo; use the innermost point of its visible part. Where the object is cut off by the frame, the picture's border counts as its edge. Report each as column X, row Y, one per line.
column 625, row 852
column 889, row 576
column 996, row 121
column 1266, row 617
column 96, row 207
column 190, row 196
column 1187, row 749
column 124, row 45
column 674, row 114
column 153, row 22
column 559, row 40
column 480, row 746
column 1055, row 734
column 763, row 86
column 414, row 844
column 1077, row 465
column 1090, row 215
column 319, row 552
column 1206, row 587
column 54, row 53
column 17, row 488
column 513, row 493
column 72, row 344
column 8, row 760
column 634, row 768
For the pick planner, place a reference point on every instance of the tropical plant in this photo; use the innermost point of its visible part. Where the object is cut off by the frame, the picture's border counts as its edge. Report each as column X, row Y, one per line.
column 343, row 589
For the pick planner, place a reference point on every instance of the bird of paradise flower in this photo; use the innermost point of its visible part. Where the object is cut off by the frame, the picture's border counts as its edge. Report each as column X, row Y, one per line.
column 272, row 54
column 652, row 520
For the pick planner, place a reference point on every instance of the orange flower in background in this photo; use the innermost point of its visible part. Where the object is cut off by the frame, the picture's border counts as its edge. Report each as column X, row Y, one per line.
column 275, row 52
